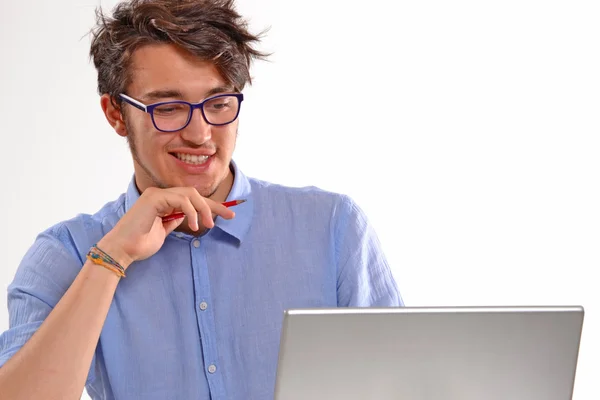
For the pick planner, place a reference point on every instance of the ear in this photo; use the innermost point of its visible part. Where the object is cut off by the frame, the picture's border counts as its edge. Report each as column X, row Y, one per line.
column 113, row 115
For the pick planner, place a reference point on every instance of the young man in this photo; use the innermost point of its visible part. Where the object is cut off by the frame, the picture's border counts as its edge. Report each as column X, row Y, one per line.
column 189, row 308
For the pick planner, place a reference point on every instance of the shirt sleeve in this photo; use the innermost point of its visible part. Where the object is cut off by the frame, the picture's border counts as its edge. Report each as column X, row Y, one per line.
column 45, row 273
column 364, row 276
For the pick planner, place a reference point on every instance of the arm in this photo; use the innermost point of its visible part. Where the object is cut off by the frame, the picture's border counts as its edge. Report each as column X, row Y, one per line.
column 364, row 276
column 54, row 363
column 57, row 353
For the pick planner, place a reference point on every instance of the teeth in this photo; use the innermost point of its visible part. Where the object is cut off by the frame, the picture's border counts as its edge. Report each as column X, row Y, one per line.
column 191, row 159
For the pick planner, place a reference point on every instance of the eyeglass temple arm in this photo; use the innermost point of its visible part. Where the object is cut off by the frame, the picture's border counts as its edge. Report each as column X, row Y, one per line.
column 134, row 102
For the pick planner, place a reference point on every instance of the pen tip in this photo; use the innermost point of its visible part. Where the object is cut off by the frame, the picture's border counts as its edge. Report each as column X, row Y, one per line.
column 241, row 201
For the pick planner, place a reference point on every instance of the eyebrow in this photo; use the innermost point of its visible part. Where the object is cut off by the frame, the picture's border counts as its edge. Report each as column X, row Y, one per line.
column 162, row 94
column 219, row 89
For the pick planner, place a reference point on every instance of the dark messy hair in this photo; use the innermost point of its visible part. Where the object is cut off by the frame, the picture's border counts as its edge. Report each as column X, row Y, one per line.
column 212, row 30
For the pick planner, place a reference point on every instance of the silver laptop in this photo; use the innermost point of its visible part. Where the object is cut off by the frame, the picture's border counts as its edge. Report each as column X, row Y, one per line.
column 464, row 353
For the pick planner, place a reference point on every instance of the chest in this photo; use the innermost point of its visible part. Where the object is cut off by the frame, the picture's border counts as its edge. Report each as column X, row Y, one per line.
column 201, row 313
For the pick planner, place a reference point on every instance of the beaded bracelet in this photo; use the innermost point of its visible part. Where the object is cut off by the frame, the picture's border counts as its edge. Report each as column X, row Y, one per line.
column 99, row 257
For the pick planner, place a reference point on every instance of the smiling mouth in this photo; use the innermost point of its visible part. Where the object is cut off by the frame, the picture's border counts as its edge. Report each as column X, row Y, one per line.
column 190, row 158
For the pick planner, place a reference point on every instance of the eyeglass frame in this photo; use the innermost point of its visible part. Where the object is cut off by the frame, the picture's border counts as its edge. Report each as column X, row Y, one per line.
column 149, row 108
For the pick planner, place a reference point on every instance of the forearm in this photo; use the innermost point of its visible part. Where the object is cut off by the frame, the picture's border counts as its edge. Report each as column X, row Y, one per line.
column 55, row 362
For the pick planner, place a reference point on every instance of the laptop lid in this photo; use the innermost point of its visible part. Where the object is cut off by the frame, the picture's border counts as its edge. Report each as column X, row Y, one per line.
column 449, row 353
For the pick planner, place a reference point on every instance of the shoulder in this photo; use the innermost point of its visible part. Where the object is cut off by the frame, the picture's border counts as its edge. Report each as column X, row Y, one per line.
column 336, row 212
column 57, row 254
column 307, row 199
column 73, row 237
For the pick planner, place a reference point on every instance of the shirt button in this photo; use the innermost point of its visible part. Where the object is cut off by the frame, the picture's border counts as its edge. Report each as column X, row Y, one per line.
column 196, row 243
column 212, row 368
column 203, row 306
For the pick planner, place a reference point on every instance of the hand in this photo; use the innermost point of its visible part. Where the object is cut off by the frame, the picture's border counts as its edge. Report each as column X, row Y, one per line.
column 141, row 232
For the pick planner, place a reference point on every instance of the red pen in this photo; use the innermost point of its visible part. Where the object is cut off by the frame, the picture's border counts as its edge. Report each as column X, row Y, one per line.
column 178, row 215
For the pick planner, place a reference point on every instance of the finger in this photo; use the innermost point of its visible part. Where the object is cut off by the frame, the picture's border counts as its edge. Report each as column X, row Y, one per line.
column 220, row 210
column 201, row 205
column 170, row 226
column 178, row 201
column 203, row 210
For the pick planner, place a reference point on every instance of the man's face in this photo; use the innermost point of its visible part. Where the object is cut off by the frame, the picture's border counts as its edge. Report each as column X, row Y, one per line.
column 165, row 73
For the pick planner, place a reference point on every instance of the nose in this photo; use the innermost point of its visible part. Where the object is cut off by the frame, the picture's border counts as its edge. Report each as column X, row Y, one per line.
column 198, row 130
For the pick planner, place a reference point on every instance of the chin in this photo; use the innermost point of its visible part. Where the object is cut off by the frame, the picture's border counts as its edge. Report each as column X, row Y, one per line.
column 204, row 188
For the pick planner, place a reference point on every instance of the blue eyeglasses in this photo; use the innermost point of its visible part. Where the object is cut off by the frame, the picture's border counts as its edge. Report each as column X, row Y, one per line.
column 172, row 116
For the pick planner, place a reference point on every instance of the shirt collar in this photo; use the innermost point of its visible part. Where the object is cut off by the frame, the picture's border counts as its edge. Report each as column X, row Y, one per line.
column 241, row 190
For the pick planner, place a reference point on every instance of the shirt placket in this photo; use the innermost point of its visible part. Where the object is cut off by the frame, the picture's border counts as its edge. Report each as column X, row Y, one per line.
column 205, row 318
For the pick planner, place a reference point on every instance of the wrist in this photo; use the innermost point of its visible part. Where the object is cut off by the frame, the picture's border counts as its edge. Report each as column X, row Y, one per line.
column 115, row 251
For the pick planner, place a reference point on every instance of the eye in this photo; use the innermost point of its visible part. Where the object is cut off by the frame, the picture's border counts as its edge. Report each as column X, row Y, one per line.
column 171, row 109
column 221, row 104
column 218, row 105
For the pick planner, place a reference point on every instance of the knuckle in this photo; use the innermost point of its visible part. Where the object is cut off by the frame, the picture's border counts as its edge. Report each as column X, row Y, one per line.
column 182, row 198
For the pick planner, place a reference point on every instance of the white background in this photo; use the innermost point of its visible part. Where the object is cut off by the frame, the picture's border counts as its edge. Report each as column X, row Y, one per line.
column 466, row 130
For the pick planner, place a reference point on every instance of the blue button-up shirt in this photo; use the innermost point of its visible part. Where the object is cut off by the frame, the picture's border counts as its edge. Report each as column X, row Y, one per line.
column 201, row 319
